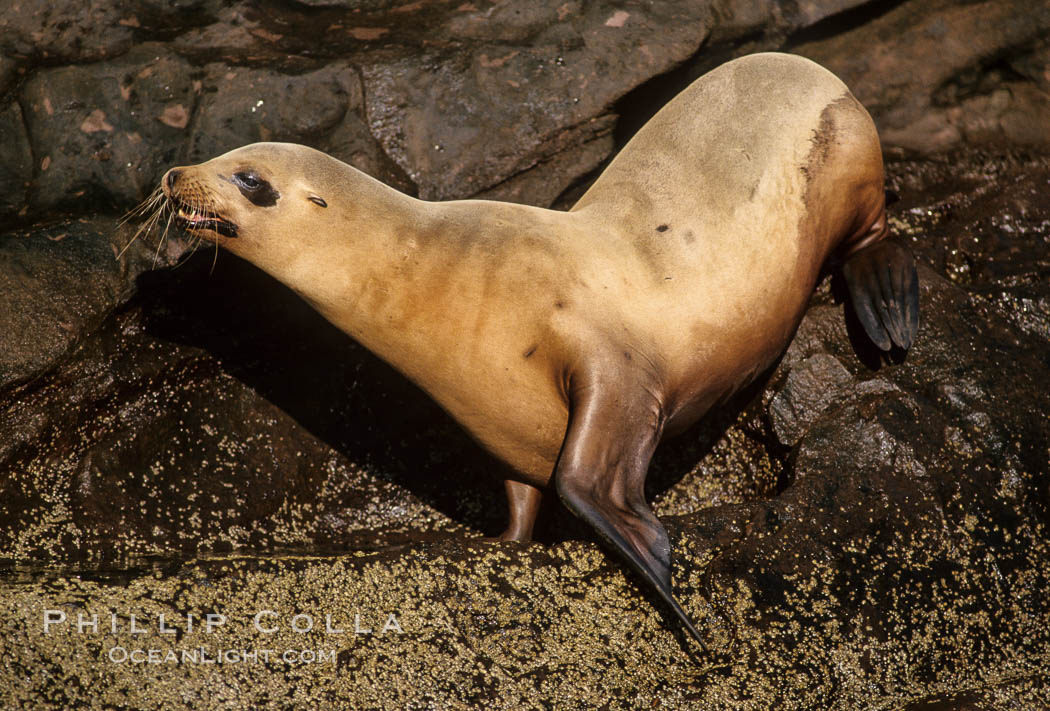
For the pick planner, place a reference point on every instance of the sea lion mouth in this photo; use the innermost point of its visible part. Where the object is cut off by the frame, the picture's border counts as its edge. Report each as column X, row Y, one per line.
column 196, row 220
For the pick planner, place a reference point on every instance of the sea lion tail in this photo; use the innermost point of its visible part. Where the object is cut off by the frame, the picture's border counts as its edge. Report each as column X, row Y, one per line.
column 884, row 291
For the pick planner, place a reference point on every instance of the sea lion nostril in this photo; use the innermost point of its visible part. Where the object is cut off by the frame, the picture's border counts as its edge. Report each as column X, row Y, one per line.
column 172, row 175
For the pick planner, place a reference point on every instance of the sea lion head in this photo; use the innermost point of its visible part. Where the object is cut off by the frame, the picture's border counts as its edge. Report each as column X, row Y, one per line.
column 247, row 198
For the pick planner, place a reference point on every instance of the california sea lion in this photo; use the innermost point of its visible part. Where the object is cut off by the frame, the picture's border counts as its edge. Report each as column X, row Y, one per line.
column 570, row 343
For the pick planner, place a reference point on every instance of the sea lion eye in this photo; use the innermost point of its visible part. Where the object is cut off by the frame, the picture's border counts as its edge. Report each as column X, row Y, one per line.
column 247, row 181
column 317, row 200
column 258, row 191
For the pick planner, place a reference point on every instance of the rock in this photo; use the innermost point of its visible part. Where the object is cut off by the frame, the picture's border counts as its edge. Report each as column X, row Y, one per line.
column 189, row 458
column 1033, row 65
column 481, row 139
column 151, row 397
column 738, row 19
column 57, row 284
column 104, row 133
column 1020, row 116
column 241, row 106
column 354, row 5
column 871, row 532
column 232, row 31
column 810, row 12
column 85, row 32
column 16, row 160
column 567, row 62
column 520, row 23
column 543, row 183
column 352, row 143
column 809, row 389
column 7, row 72
column 927, row 72
column 981, row 222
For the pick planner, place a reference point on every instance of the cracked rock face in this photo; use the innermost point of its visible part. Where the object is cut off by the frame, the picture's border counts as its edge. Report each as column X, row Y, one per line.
column 192, row 440
column 963, row 72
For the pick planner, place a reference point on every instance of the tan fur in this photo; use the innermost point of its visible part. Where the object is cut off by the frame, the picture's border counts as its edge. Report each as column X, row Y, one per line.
column 758, row 170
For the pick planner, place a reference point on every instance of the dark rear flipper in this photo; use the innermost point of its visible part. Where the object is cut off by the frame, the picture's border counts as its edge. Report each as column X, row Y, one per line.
column 884, row 290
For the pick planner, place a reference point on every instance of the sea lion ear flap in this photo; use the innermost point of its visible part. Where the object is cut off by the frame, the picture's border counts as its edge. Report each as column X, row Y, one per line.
column 317, row 200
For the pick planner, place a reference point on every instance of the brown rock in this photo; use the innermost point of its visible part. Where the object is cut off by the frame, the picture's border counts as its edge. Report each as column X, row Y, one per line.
column 452, row 121
column 165, row 388
column 543, row 183
column 241, row 106
column 872, row 532
column 352, row 143
column 810, row 388
column 103, row 128
column 232, row 33
column 776, row 20
column 906, row 65
column 57, row 284
column 7, row 72
column 87, row 31
column 16, row 160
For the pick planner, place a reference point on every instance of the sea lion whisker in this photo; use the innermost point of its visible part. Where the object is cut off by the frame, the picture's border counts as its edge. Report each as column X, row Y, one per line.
column 143, row 207
column 198, row 238
column 163, row 235
column 214, row 259
column 193, row 250
column 130, row 242
column 147, row 206
column 143, row 229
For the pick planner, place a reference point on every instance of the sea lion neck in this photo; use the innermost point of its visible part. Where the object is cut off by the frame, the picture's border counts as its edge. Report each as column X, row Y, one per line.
column 396, row 273
column 346, row 254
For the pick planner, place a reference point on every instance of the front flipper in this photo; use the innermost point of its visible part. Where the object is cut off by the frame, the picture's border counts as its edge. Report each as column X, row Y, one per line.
column 614, row 427
column 884, row 290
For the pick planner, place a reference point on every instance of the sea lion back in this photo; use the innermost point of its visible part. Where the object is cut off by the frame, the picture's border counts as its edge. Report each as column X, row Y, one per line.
column 739, row 136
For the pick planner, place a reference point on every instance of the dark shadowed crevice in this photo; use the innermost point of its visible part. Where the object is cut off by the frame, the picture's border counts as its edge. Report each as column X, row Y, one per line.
column 637, row 106
column 980, row 79
column 841, row 22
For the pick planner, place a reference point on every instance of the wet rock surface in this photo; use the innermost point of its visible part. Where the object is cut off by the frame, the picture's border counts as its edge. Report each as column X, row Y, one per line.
column 188, row 440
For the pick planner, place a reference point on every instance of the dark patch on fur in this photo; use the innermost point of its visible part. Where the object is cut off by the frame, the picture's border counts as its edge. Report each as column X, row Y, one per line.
column 258, row 191
column 662, row 228
column 559, row 305
column 832, row 136
column 824, row 137
column 265, row 196
column 822, row 140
